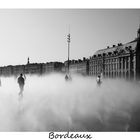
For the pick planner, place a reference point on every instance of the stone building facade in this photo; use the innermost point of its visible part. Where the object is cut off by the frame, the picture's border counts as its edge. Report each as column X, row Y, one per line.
column 31, row 68
column 53, row 67
column 78, row 66
column 122, row 60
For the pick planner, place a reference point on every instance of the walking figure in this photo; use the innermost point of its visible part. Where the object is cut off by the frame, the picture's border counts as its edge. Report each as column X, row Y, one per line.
column 21, row 82
column 66, row 77
column 99, row 80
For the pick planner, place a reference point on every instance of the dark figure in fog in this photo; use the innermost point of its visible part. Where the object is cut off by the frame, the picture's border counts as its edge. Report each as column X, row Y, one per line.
column 66, row 77
column 99, row 80
column 21, row 82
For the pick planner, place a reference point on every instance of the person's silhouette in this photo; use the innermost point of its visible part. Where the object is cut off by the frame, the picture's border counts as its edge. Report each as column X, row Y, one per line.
column 66, row 77
column 99, row 80
column 21, row 82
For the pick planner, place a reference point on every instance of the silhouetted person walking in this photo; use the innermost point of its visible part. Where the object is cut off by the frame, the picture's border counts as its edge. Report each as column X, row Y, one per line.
column 99, row 80
column 21, row 82
column 66, row 77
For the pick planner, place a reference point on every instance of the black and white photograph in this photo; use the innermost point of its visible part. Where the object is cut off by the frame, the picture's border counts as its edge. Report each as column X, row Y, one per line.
column 69, row 70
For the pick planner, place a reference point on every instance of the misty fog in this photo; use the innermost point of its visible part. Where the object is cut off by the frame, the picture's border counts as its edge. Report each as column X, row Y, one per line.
column 51, row 104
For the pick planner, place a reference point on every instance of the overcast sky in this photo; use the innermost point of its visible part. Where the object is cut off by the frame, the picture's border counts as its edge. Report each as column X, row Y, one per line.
column 41, row 34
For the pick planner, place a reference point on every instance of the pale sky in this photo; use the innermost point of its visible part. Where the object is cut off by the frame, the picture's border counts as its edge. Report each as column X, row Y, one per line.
column 41, row 34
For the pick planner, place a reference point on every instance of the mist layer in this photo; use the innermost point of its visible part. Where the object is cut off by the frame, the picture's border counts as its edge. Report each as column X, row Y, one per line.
column 51, row 104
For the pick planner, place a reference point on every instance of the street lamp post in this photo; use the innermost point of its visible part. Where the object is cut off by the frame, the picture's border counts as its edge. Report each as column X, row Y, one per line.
column 68, row 40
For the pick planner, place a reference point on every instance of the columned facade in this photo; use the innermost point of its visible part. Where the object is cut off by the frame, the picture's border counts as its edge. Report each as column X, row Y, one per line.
column 121, row 61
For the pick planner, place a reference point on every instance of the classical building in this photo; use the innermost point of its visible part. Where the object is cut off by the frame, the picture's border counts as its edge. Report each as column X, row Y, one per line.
column 31, row 68
column 53, row 67
column 122, row 60
column 6, row 70
column 78, row 66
